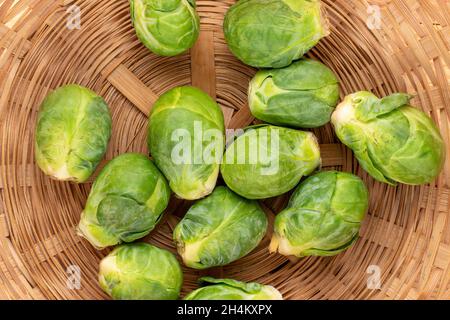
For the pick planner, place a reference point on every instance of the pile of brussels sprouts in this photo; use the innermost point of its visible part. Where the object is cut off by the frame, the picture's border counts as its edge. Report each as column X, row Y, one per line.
column 393, row 142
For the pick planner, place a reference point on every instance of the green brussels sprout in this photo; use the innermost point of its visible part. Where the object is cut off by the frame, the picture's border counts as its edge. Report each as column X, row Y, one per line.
column 186, row 137
column 392, row 141
column 273, row 33
column 140, row 271
column 267, row 161
column 302, row 95
column 125, row 203
column 219, row 229
column 228, row 289
column 166, row 27
column 323, row 216
column 72, row 133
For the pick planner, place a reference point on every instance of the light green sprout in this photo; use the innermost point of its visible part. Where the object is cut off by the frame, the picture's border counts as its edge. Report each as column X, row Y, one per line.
column 228, row 289
column 302, row 95
column 140, row 271
column 392, row 141
column 72, row 133
column 323, row 216
column 219, row 229
column 166, row 27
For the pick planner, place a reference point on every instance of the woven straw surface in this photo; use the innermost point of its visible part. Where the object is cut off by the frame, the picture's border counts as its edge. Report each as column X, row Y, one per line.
column 406, row 233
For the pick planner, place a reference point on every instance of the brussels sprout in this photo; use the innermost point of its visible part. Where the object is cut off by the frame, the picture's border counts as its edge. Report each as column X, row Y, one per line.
column 273, row 33
column 140, row 271
column 166, row 27
column 267, row 161
column 392, row 141
column 219, row 229
column 72, row 133
column 323, row 216
column 228, row 289
column 125, row 203
column 302, row 95
column 186, row 137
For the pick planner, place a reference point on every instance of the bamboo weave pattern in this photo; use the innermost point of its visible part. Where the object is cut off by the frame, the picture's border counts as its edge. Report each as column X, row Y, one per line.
column 406, row 233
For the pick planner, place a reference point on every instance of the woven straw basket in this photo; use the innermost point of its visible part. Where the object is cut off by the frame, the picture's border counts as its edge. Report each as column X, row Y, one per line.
column 405, row 238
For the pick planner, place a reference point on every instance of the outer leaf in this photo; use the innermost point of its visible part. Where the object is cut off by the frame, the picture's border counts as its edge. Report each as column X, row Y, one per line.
column 354, row 137
column 371, row 107
column 422, row 157
column 251, row 287
column 392, row 141
column 303, row 94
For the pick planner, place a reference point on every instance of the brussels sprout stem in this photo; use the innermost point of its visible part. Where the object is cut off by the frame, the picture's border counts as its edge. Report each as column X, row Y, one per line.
column 344, row 112
column 283, row 246
column 269, row 292
column 61, row 174
column 274, row 243
column 83, row 231
column 189, row 253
